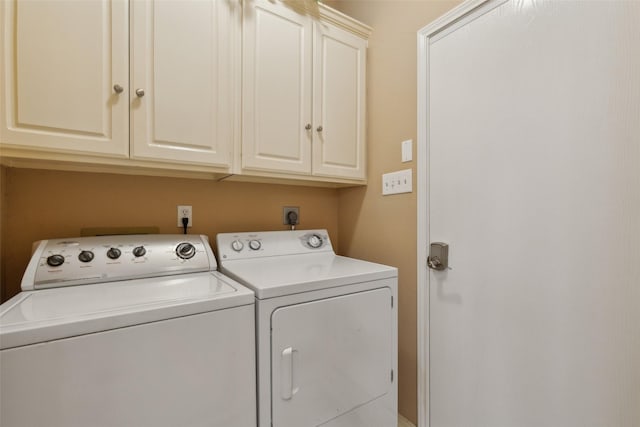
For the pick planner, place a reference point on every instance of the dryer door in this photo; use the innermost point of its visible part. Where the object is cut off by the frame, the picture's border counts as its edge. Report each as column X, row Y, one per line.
column 330, row 356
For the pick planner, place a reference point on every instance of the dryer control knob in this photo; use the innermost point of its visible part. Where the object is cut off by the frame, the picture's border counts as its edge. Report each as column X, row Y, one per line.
column 186, row 250
column 85, row 256
column 139, row 251
column 55, row 260
column 237, row 245
column 314, row 241
column 255, row 244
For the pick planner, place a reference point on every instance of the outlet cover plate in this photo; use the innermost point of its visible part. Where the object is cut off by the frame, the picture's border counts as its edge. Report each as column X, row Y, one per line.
column 184, row 210
column 285, row 213
column 397, row 182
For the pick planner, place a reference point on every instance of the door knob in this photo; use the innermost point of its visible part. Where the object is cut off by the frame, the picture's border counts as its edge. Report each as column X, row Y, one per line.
column 434, row 263
column 139, row 93
column 117, row 88
column 438, row 258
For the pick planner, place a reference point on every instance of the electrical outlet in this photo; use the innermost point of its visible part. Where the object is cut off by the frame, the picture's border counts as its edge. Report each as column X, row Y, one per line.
column 285, row 214
column 185, row 211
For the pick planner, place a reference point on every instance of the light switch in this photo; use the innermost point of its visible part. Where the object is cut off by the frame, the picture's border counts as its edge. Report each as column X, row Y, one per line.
column 407, row 150
column 397, row 182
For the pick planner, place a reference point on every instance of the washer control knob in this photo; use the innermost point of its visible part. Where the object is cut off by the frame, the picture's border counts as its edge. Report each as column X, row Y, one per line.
column 139, row 251
column 255, row 244
column 55, row 260
column 314, row 241
column 185, row 250
column 237, row 245
column 113, row 253
column 85, row 256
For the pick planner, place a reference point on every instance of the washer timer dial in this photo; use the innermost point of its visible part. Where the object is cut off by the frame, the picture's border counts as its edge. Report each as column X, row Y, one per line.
column 185, row 250
column 139, row 251
column 114, row 253
column 85, row 256
column 55, row 260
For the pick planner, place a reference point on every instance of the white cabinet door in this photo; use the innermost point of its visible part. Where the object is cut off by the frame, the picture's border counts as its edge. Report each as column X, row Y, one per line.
column 183, row 58
column 330, row 356
column 338, row 103
column 60, row 63
column 276, row 88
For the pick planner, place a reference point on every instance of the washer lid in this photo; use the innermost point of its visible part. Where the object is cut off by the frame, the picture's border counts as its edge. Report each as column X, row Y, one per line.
column 285, row 275
column 44, row 315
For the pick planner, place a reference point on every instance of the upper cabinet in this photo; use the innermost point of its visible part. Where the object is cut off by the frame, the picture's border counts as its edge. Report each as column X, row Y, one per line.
column 183, row 80
column 338, row 102
column 303, row 91
column 244, row 89
column 60, row 64
column 276, row 87
column 77, row 80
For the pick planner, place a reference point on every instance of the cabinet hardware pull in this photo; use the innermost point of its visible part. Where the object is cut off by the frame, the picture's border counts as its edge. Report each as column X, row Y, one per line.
column 117, row 88
column 140, row 93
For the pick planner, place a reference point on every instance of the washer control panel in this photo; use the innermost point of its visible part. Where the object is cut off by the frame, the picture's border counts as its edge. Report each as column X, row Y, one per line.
column 85, row 260
column 271, row 243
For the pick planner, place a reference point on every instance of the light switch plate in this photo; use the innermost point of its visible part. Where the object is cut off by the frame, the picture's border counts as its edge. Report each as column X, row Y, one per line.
column 407, row 150
column 397, row 182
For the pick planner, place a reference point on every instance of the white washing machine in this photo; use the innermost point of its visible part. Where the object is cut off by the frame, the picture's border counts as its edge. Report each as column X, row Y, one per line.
column 326, row 329
column 149, row 335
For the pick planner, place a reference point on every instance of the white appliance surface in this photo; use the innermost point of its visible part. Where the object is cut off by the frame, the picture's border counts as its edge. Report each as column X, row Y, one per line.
column 277, row 276
column 285, row 264
column 326, row 329
column 85, row 260
column 90, row 343
column 343, row 367
column 44, row 315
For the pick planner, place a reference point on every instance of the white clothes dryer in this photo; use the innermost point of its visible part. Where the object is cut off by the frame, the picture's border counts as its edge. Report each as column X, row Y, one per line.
column 326, row 329
column 149, row 335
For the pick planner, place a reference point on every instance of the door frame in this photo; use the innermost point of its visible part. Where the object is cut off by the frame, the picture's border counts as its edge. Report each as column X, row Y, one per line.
column 465, row 12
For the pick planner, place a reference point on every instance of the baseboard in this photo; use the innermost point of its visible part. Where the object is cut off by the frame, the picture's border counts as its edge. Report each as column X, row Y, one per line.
column 403, row 422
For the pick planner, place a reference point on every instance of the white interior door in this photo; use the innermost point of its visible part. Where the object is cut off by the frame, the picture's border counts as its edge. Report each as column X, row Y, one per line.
column 533, row 139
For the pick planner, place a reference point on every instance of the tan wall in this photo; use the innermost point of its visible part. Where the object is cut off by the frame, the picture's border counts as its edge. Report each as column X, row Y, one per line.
column 3, row 209
column 50, row 204
column 381, row 228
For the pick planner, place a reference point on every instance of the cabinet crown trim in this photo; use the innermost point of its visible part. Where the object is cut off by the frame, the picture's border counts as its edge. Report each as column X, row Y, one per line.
column 343, row 21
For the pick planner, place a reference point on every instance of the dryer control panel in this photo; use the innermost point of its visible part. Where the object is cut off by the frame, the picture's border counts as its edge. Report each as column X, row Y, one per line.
column 85, row 260
column 272, row 243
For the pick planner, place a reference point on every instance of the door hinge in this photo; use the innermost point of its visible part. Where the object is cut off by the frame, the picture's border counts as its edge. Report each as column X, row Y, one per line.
column 391, row 301
column 392, row 375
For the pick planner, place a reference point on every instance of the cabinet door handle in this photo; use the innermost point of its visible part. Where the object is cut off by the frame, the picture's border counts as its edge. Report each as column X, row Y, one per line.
column 140, row 93
column 308, row 126
column 117, row 88
column 319, row 129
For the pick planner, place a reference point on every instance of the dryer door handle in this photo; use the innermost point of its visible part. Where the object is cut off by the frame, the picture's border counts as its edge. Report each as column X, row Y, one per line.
column 287, row 385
